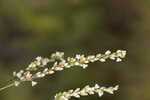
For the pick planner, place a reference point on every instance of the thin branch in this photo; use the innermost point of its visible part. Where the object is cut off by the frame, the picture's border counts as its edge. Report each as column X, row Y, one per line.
column 7, row 86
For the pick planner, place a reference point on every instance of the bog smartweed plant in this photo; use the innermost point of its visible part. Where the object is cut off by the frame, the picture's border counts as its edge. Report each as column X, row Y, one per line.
column 59, row 63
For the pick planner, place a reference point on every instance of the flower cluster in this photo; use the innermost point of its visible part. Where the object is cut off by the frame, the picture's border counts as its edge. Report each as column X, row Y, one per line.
column 87, row 90
column 60, row 63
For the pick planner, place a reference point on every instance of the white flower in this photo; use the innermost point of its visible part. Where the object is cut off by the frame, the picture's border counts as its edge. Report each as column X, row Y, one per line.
column 34, row 83
column 68, row 66
column 85, row 66
column 22, row 78
column 118, row 60
column 58, row 68
column 77, row 90
column 124, row 53
column 102, row 60
column 91, row 57
column 76, row 95
column 118, row 51
column 63, row 98
column 86, row 61
column 90, row 90
column 100, row 93
column 21, row 71
column 109, row 90
column 38, row 74
column 50, row 72
column 97, row 86
column 38, row 63
column 112, row 57
column 38, row 58
column 121, row 53
column 87, row 90
column 28, row 75
column 116, row 87
column 76, row 63
column 19, row 74
column 42, row 75
column 65, row 64
column 45, row 70
column 67, row 95
column 83, row 92
column 17, row 83
column 98, row 55
column 78, row 56
column 32, row 65
column 108, row 52
column 59, row 54
column 44, row 62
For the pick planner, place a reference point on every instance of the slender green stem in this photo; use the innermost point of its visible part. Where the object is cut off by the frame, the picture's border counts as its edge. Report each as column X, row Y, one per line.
column 7, row 86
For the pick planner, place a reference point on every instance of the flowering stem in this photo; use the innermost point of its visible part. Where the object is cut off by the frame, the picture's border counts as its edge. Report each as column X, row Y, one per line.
column 59, row 64
column 87, row 90
column 7, row 86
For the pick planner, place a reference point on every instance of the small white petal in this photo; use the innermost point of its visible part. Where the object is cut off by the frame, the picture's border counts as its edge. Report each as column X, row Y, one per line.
column 76, row 95
column 84, row 66
column 102, row 60
column 58, row 68
column 112, row 57
column 77, row 90
column 38, row 63
column 110, row 90
column 76, row 63
column 118, row 60
column 21, row 78
column 63, row 98
column 68, row 66
column 97, row 86
column 108, row 52
column 57, row 53
column 38, row 73
column 44, row 62
column 21, row 71
column 83, row 92
column 17, row 83
column 100, row 93
column 78, row 56
column 30, row 65
column 19, row 75
column 46, row 69
column 123, row 53
column 50, row 72
column 116, row 87
column 98, row 55
column 42, row 75
column 28, row 75
column 118, row 51
column 34, row 83
column 38, row 58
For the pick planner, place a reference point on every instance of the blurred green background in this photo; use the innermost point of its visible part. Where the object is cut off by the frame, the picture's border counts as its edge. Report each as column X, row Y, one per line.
column 30, row 28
